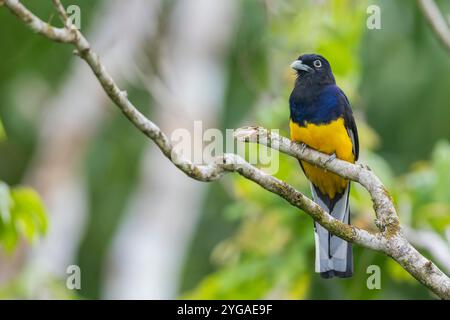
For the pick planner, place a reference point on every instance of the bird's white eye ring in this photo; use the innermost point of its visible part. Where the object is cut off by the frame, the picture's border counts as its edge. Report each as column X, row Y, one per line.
column 317, row 63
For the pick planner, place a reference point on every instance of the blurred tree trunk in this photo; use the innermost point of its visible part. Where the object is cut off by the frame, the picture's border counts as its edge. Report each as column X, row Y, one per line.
column 150, row 248
column 69, row 122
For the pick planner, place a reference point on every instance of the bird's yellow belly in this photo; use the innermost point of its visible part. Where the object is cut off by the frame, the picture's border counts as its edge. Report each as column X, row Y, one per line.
column 327, row 138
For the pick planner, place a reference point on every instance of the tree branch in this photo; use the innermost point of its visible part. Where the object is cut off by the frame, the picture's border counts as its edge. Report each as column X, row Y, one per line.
column 389, row 239
column 436, row 20
column 387, row 219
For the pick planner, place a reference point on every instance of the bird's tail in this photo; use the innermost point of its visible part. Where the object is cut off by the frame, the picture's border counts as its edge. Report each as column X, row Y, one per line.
column 333, row 255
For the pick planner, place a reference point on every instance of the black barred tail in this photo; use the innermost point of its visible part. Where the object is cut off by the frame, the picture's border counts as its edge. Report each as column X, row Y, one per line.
column 334, row 256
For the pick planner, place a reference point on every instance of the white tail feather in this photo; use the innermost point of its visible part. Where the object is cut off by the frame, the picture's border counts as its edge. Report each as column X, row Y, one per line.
column 333, row 255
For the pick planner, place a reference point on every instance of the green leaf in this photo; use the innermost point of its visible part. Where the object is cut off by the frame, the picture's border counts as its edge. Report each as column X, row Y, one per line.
column 22, row 213
column 29, row 213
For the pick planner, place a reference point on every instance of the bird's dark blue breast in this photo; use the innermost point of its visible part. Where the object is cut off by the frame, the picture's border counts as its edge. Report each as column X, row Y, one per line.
column 317, row 106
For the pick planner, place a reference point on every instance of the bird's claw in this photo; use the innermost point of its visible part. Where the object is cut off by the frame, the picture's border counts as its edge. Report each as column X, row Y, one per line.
column 303, row 147
column 331, row 158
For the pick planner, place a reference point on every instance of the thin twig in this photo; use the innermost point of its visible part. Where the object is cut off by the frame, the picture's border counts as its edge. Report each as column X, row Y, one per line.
column 62, row 13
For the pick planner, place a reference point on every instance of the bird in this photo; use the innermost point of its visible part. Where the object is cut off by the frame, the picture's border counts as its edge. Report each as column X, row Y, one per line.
column 321, row 118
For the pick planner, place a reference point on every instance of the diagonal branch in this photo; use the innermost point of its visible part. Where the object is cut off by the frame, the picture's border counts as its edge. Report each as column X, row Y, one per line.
column 387, row 219
column 62, row 13
column 389, row 240
column 436, row 20
column 37, row 25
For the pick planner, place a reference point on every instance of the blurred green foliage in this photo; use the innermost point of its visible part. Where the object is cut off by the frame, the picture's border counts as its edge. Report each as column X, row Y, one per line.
column 2, row 131
column 27, row 287
column 113, row 165
column 271, row 254
column 424, row 193
column 247, row 66
column 31, row 70
column 405, row 77
column 22, row 214
column 250, row 243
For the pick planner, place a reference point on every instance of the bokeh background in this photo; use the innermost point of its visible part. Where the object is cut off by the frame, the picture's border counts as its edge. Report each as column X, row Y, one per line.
column 81, row 186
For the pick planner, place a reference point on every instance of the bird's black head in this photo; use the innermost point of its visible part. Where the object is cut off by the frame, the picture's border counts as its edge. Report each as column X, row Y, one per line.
column 313, row 69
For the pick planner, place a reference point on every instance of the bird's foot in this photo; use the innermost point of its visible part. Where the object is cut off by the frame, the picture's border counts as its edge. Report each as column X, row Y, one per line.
column 303, row 147
column 331, row 158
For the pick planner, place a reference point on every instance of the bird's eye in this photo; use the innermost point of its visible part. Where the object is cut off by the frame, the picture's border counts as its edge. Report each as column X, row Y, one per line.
column 317, row 63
